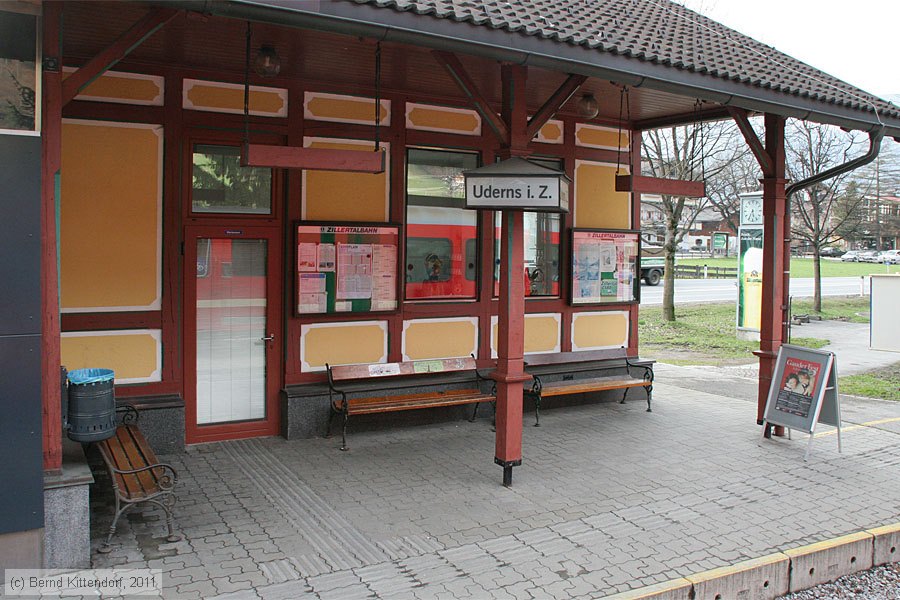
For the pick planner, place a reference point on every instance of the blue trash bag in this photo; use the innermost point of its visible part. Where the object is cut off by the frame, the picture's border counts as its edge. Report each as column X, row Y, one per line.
column 87, row 376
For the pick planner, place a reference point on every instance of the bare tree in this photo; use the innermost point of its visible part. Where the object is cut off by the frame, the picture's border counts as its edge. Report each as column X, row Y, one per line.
column 880, row 179
column 723, row 191
column 690, row 152
column 823, row 213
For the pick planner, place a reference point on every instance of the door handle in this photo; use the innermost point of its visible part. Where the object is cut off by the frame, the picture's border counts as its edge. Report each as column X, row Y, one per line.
column 268, row 338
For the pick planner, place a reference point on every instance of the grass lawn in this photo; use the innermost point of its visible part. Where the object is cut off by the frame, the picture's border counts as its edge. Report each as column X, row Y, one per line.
column 803, row 267
column 836, row 308
column 703, row 334
column 882, row 383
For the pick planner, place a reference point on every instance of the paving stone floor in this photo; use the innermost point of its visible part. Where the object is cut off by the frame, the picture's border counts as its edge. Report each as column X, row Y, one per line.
column 609, row 498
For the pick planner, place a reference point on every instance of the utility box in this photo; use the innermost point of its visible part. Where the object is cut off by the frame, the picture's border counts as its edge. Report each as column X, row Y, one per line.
column 884, row 321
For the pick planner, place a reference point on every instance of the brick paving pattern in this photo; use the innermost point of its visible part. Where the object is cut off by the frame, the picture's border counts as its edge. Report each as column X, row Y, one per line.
column 609, row 498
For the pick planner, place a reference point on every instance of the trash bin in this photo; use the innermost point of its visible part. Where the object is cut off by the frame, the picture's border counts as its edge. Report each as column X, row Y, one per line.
column 92, row 405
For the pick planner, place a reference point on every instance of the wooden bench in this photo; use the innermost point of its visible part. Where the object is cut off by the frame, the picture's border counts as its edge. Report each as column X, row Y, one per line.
column 137, row 475
column 573, row 362
column 344, row 380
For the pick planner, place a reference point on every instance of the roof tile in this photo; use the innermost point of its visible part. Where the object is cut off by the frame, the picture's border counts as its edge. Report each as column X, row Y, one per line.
column 654, row 31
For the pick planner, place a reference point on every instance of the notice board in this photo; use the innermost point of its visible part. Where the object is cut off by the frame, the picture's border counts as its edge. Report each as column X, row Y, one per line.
column 605, row 266
column 346, row 268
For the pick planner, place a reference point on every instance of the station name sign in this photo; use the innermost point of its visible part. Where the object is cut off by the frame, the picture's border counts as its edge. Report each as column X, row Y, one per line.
column 517, row 184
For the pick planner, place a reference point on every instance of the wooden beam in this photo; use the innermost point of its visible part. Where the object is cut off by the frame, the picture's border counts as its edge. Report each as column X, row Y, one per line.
column 554, row 103
column 313, row 159
column 51, row 159
column 119, row 49
column 687, row 118
column 450, row 62
column 762, row 157
column 654, row 185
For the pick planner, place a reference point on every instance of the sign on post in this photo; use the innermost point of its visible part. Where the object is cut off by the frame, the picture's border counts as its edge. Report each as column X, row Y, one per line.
column 803, row 392
column 517, row 184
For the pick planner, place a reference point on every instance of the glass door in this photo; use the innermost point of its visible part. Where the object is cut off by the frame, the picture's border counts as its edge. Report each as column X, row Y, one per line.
column 232, row 332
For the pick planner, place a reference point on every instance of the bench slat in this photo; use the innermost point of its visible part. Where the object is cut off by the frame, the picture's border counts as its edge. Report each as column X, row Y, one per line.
column 129, row 485
column 599, row 384
column 129, row 450
column 392, row 404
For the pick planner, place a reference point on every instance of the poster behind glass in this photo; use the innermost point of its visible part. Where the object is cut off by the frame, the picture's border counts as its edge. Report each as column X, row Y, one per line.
column 346, row 268
column 19, row 73
column 605, row 266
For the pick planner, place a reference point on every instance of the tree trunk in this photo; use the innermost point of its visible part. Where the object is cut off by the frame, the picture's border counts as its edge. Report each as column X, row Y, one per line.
column 669, row 278
column 817, row 280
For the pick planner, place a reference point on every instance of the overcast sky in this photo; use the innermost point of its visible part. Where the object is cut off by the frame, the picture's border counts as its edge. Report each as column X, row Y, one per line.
column 854, row 41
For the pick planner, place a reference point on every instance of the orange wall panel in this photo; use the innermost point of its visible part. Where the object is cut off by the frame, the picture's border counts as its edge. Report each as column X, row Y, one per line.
column 597, row 203
column 110, row 241
column 337, row 196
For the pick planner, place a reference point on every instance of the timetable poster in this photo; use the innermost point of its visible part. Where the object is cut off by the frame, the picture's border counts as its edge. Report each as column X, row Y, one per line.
column 798, row 384
column 604, row 266
column 346, row 268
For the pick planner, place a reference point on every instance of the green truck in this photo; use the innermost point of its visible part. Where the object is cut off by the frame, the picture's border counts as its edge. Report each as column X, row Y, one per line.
column 652, row 269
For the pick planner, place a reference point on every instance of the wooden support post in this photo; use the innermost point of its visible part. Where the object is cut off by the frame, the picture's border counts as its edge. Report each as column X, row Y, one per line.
column 514, row 110
column 776, row 260
column 51, row 153
column 510, row 372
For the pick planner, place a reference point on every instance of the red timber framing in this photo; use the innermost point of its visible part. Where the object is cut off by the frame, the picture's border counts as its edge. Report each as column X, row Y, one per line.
column 115, row 52
column 776, row 247
column 313, row 159
column 51, row 134
column 179, row 125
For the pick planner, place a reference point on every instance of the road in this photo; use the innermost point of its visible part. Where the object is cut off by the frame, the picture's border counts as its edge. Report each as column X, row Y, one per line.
column 725, row 290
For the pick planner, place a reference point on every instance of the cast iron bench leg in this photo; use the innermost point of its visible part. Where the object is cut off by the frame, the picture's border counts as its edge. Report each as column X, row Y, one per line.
column 649, row 389
column 537, row 410
column 625, row 395
column 344, row 431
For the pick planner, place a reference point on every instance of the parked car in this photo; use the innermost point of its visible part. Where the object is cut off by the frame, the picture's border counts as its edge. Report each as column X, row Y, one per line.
column 831, row 252
column 850, row 256
column 870, row 256
column 891, row 257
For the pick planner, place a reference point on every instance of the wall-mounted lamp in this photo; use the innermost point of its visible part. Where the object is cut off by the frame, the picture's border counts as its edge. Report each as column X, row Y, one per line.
column 588, row 107
column 267, row 63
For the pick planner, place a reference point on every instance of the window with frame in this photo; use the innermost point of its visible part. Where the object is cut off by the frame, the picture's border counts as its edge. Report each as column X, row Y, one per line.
column 542, row 237
column 221, row 185
column 441, row 234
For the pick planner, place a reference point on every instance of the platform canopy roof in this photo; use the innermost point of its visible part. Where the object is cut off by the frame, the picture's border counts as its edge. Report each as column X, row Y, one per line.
column 656, row 43
column 667, row 54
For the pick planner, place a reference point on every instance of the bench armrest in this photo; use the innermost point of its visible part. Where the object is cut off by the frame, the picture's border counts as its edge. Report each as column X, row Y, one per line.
column 130, row 416
column 166, row 481
column 648, row 370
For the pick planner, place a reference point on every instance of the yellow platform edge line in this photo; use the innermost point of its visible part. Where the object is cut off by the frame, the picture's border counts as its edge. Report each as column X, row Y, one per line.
column 691, row 580
column 652, row 590
column 859, row 536
column 865, row 425
column 753, row 563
